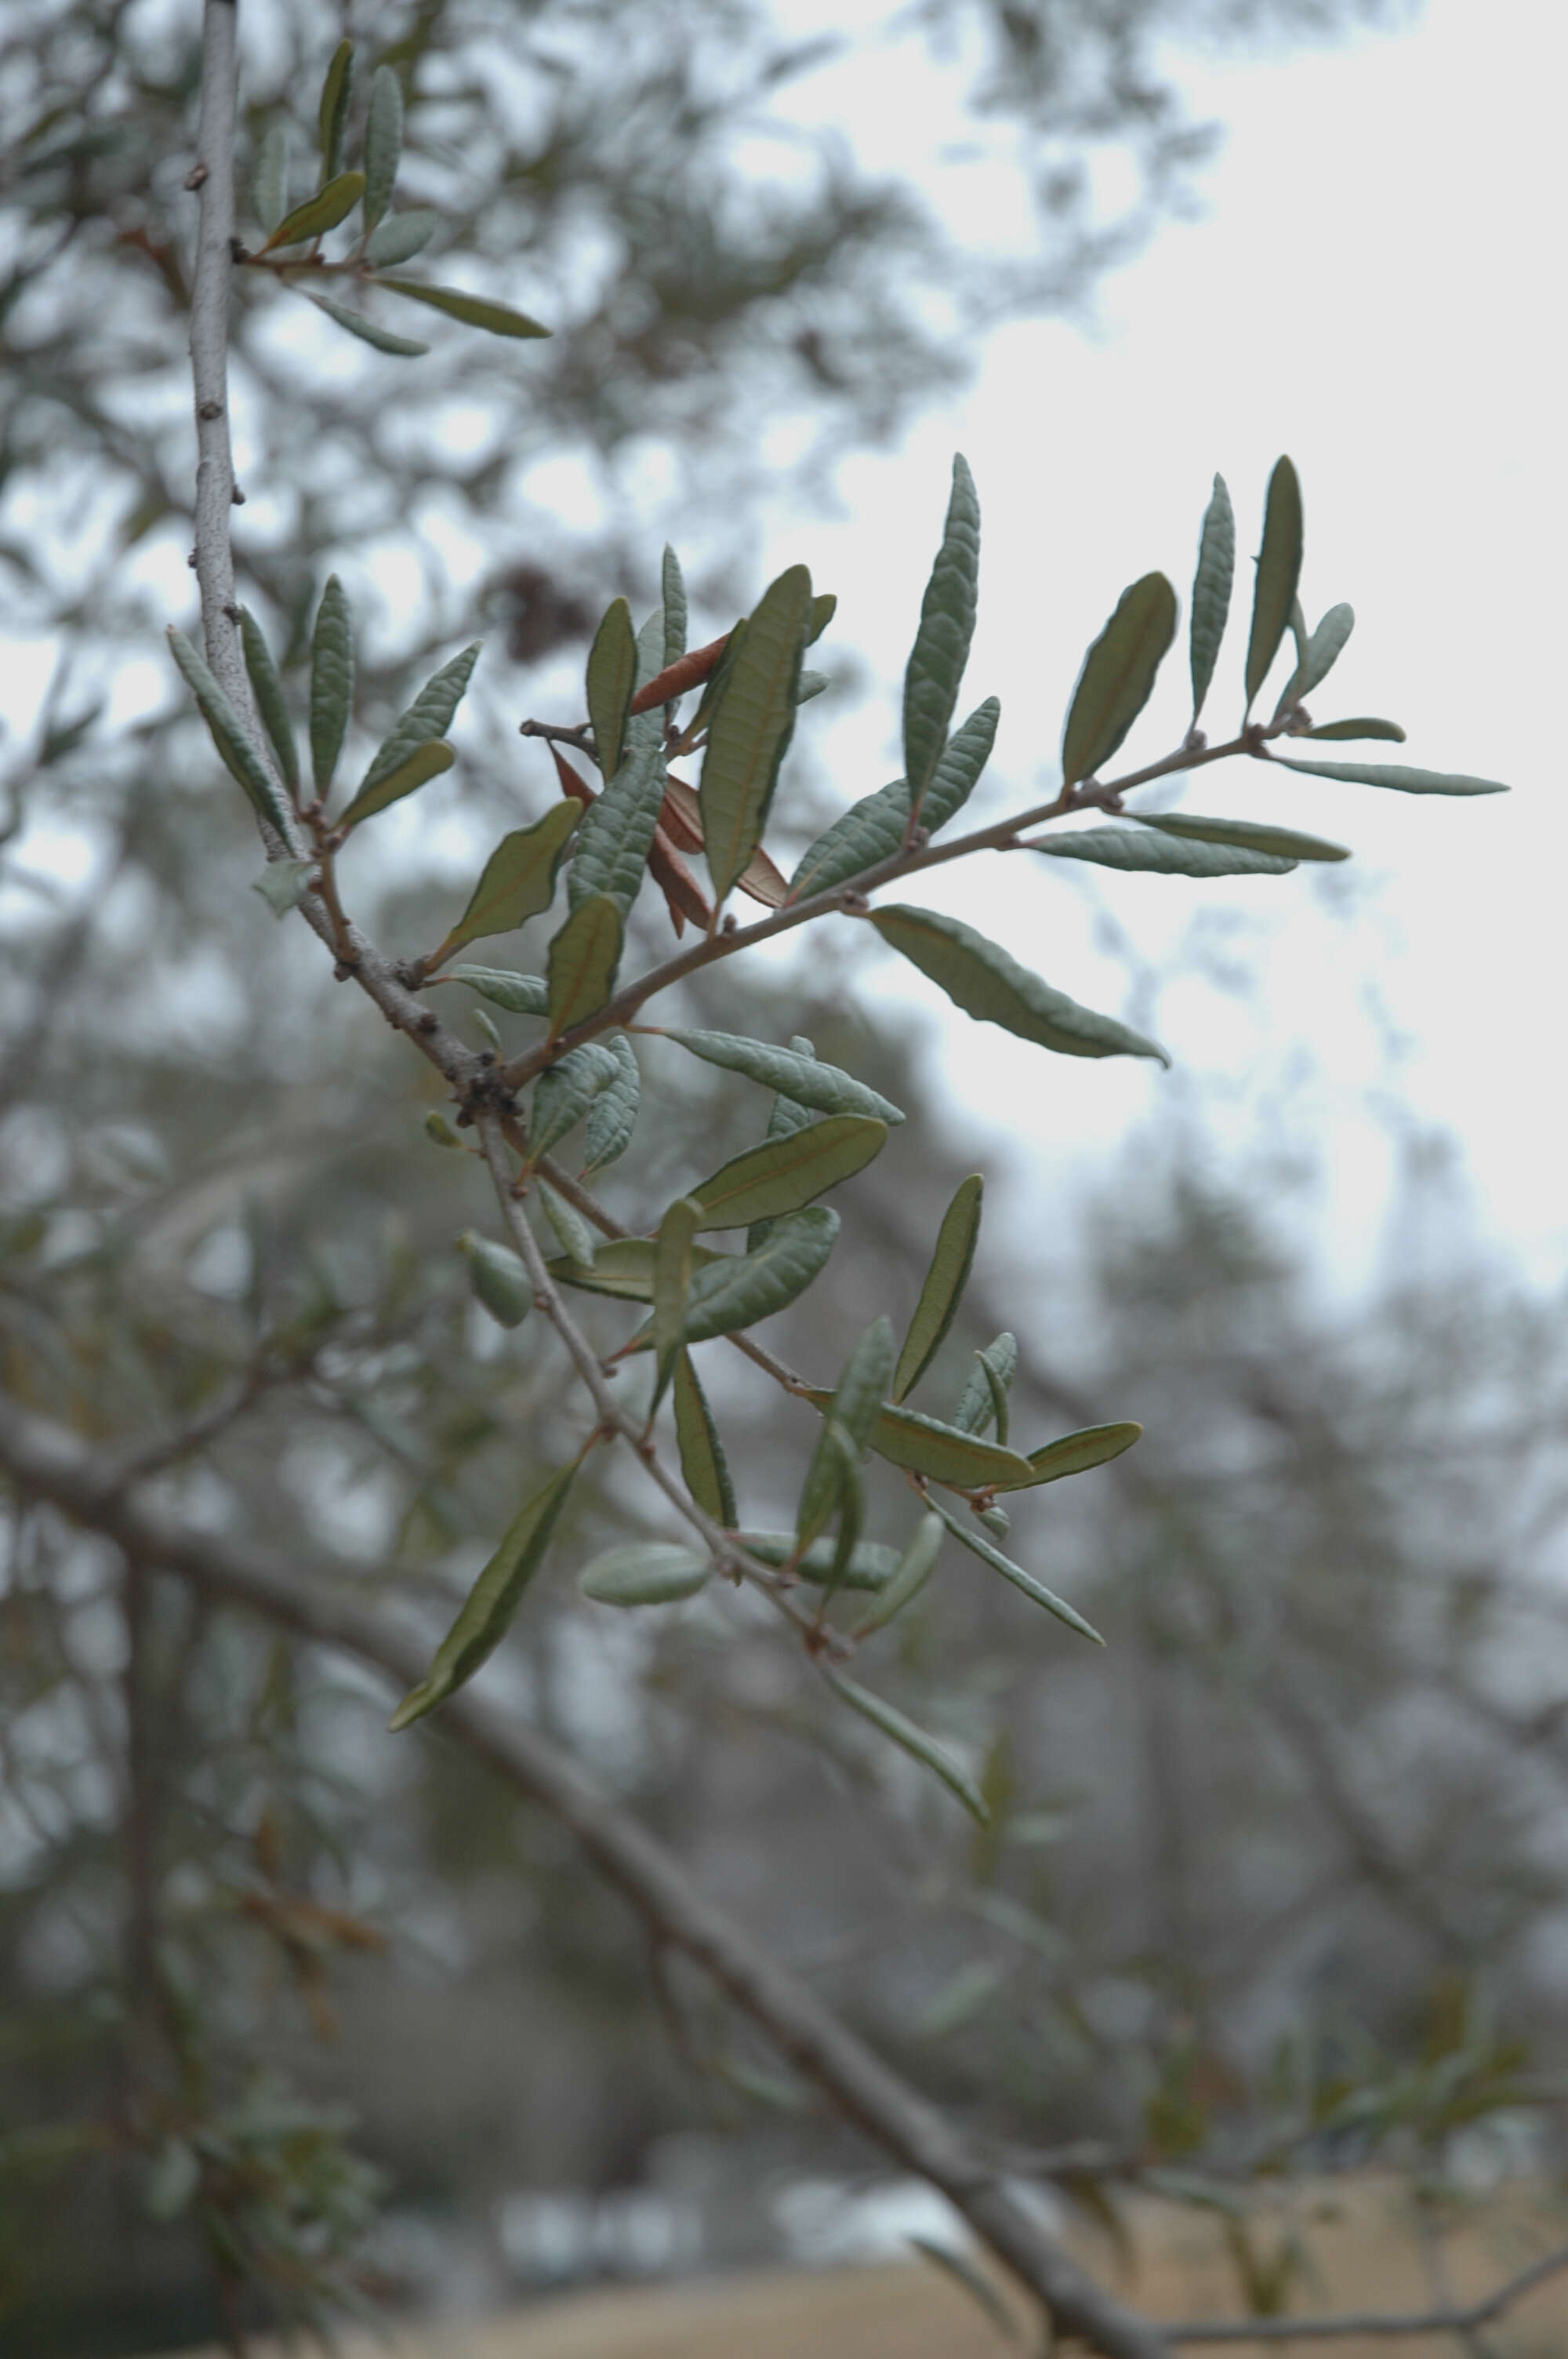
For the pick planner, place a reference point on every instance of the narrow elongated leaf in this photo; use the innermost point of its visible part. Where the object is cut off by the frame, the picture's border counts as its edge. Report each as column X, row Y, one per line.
column 975, row 2282
column 673, row 1270
column 416, row 768
column 834, row 1491
column 979, row 978
column 944, row 1285
column 516, row 882
column 473, row 310
column 573, row 1235
column 582, row 962
column 651, row 647
column 824, row 606
column 332, row 682
column 911, row 1740
column 703, row 1465
column 647, row 1573
column 383, row 142
column 803, row 1079
column 617, row 831
column 1118, row 677
column 283, row 883
column 1074, row 1454
column 625, row 1269
column 752, row 726
column 926, row 1446
column 614, row 1115
column 1395, row 774
column 717, row 679
column 334, row 113
column 1140, row 851
column 1279, row 572
column 520, row 995
column 958, row 773
column 403, row 347
column 269, row 189
column 1245, row 834
column 428, row 717
column 564, row 1092
column 783, row 1174
column 492, row 1604
column 787, row 1116
column 1211, row 589
column 401, row 236
column 319, row 213
column 985, row 1388
column 832, row 1482
column 872, row 1565
column 240, row 757
column 671, row 591
column 1036, row 1590
column 612, row 681
column 941, row 648
column 499, row 1279
column 737, row 1291
column 267, row 689
column 1361, row 726
column 1320, row 655
column 876, row 828
column 909, row 1576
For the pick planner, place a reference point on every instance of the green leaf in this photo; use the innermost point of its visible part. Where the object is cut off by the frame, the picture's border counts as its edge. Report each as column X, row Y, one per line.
column 1146, row 853
column 803, row 1080
column 498, row 1277
column 625, row 1269
column 269, row 188
column 944, row 1282
column 824, row 606
column 429, row 716
column 1320, row 655
column 832, row 1483
column 405, row 347
column 230, row 735
column 1074, row 1454
column 332, row 682
column 941, row 646
column 752, row 726
column 572, row 1233
column 614, row 1115
column 984, row 1395
column 516, row 883
column 1118, row 677
column 979, row 978
column 564, row 1092
column 651, row 647
column 334, row 109
column 673, row 1269
column 872, row 1565
column 738, row 1291
column 783, row 1174
column 1359, row 728
column 717, row 679
column 383, row 142
column 283, row 883
column 1279, row 572
column 703, row 1465
column 1245, row 834
column 319, row 213
column 491, row 1604
column 911, row 1739
column 267, row 689
column 417, row 769
column 672, row 595
column 401, row 236
column 473, row 310
column 1394, row 774
column 810, row 684
column 174, row 2181
column 875, row 827
column 485, row 1025
column 520, row 995
column 926, row 1446
column 648, row 1572
column 909, row 1576
column 617, row 831
column 611, row 682
column 1211, row 589
column 583, row 959
column 1036, row 1590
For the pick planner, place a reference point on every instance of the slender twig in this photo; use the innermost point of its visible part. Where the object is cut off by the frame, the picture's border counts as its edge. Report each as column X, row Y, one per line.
column 1390, row 2324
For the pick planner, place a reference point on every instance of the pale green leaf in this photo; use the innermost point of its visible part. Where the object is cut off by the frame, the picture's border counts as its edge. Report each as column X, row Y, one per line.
column 383, row 142
column 783, row 1174
column 1361, row 726
column 926, row 1446
column 1278, row 572
column 703, row 1465
column 985, row 1388
column 283, row 883
column 750, row 728
column 1395, row 774
column 872, row 1565
column 1036, row 1590
column 517, row 882
column 941, row 648
column 401, row 236
column 498, row 1277
column 646, row 1572
column 673, row 1266
column 333, row 112
column 876, row 828
column 332, row 682
column 403, row 347
column 614, row 1115
column 473, row 310
column 416, row 768
column 1320, row 655
column 583, row 959
column 269, row 189
column 492, row 1604
column 267, row 689
column 802, row 1080
column 943, row 1290
column 572, row 1233
column 979, row 978
column 229, row 734
column 617, row 831
column 672, row 597
column 1118, row 677
column 564, row 1092
column 520, row 995
column 1211, row 589
column 911, row 1739
column 1141, row 851
column 738, row 1291
column 625, row 1269
column 428, row 717
column 832, row 1482
column 1074, row 1454
column 1245, row 834
column 909, row 1575
column 611, row 682
column 319, row 213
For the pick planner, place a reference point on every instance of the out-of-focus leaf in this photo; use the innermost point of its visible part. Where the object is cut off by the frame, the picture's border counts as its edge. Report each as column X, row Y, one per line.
column 516, row 882
column 1140, row 851
column 428, row 717
column 1394, row 774
column 941, row 649
column 1245, row 834
column 783, row 1174
column 750, row 728
column 174, row 2180
column 564, row 1092
column 703, row 1465
column 1361, row 726
column 319, row 213
column 1320, row 655
column 583, row 959
column 671, row 591
column 229, row 734
column 492, row 1604
column 267, row 689
column 520, row 995
column 1118, row 677
column 334, row 113
column 401, row 236
column 402, row 347
column 979, row 978
column 1074, row 1454
column 909, row 1576
column 803, row 1079
column 499, row 1279
column 332, row 682
column 383, row 142
column 269, row 188
column 614, row 1114
column 1211, row 589
column 610, row 681
column 875, row 829
column 958, row 2265
column 943, row 1290
column 832, row 1482
column 1279, row 572
column 415, row 769
column 926, row 1446
column 911, row 1740
column 1036, row 1590
column 473, row 310
column 737, row 1291
column 572, row 1232
column 283, row 883
column 871, row 1564
column 647, row 1573
column 993, row 1371
column 617, row 831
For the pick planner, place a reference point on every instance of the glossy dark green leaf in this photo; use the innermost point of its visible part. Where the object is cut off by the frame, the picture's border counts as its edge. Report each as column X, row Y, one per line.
column 876, row 828
column 646, row 1572
column 1074, row 1454
column 283, row 883
column 517, row 882
column 319, row 213
column 499, row 1279
column 738, row 1291
column 909, row 1576
column 979, row 978
column 672, row 591
column 984, row 1395
column 334, row 113
column 574, row 1237
column 703, row 1465
column 473, row 310
column 1118, row 677
column 872, row 1565
column 564, row 1092
column 617, row 831
column 1245, row 834
column 383, row 142
column 1320, row 655
column 611, row 682
column 520, row 995
column 401, row 236
column 416, row 768
column 911, row 1740
column 1211, row 589
column 332, row 682
column 428, row 717
column 1361, row 726
column 803, row 1079
column 583, row 960
column 614, row 1115
column 492, row 1604
column 271, row 704
column 1036, row 1590
column 1139, row 851
column 832, row 1487
column 269, row 188
column 403, row 347
column 229, row 734
column 783, row 1174
column 625, row 1269
column 750, row 728
column 1395, row 774
column 943, row 1290
column 941, row 648
column 1279, row 572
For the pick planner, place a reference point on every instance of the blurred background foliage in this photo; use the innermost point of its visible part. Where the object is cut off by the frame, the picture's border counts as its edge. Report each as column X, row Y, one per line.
column 1277, row 1880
